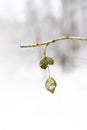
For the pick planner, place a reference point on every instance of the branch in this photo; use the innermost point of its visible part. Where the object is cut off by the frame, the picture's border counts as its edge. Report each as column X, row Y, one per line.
column 54, row 41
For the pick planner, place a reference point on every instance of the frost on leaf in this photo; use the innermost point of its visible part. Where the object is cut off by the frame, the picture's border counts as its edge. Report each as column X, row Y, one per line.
column 50, row 85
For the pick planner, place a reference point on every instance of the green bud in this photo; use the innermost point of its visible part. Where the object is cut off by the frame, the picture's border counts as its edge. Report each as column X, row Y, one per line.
column 50, row 84
column 44, row 63
column 50, row 60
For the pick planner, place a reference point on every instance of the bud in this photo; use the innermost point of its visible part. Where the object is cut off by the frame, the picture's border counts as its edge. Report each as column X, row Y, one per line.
column 50, row 60
column 50, row 84
column 44, row 63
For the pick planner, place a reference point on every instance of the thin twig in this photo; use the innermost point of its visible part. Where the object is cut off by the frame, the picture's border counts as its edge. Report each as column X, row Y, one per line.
column 54, row 41
column 49, row 71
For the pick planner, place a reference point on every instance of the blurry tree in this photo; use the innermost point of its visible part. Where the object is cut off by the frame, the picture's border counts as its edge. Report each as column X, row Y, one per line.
column 49, row 19
column 70, row 26
column 83, row 15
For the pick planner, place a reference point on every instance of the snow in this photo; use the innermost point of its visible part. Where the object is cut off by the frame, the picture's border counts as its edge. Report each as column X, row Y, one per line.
column 26, row 104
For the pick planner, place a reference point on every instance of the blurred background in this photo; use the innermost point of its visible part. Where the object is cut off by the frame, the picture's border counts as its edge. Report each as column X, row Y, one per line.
column 24, row 102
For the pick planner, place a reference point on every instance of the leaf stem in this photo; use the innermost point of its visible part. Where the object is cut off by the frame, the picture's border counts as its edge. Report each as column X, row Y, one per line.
column 45, row 49
column 49, row 71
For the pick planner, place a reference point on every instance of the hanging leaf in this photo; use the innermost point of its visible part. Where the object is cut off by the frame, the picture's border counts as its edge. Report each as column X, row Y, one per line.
column 50, row 84
column 44, row 63
column 50, row 60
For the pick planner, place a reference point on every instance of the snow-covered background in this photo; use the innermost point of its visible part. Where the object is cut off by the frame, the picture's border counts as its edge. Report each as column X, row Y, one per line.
column 25, row 104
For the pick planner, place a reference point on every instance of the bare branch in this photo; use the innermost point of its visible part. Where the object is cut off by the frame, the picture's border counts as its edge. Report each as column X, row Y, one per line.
column 54, row 41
